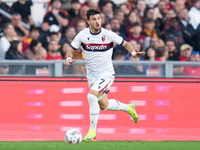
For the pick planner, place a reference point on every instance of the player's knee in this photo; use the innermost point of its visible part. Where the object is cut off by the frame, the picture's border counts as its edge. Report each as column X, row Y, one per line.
column 103, row 107
column 93, row 92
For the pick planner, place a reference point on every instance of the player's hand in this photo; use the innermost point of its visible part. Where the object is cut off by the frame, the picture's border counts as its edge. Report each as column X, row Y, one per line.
column 138, row 54
column 69, row 61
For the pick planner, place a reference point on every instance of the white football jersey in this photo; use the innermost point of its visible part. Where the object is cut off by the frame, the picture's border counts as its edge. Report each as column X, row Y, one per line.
column 98, row 49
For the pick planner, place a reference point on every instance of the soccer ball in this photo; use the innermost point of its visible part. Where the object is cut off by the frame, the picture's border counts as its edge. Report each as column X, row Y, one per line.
column 73, row 136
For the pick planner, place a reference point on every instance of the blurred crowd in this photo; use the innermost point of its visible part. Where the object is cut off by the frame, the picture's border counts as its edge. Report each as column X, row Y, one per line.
column 164, row 29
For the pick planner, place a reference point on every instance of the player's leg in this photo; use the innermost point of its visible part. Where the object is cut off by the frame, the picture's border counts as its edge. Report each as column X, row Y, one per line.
column 97, row 86
column 94, row 114
column 112, row 104
column 115, row 105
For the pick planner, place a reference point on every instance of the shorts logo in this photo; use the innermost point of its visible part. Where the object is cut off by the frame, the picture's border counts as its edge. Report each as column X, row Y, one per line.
column 103, row 38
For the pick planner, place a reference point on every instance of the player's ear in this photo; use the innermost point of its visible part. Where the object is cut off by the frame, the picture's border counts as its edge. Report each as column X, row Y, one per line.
column 88, row 21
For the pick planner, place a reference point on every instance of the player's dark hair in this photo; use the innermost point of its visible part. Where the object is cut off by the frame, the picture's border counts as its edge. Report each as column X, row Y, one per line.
column 92, row 12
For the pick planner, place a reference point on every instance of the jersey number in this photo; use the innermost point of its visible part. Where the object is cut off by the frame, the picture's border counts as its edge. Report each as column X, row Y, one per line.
column 102, row 80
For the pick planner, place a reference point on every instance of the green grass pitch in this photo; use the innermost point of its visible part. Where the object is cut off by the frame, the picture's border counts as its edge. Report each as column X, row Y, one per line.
column 101, row 145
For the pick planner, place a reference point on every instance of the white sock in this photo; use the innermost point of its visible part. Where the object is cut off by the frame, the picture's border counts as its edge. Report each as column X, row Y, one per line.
column 115, row 105
column 94, row 110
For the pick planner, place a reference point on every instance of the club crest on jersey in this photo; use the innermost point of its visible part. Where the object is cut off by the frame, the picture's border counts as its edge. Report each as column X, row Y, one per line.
column 88, row 38
column 103, row 38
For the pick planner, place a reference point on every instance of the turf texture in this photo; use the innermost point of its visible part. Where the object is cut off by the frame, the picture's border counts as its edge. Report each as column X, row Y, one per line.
column 101, row 145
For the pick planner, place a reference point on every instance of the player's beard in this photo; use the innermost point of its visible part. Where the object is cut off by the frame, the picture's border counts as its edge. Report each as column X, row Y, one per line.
column 97, row 28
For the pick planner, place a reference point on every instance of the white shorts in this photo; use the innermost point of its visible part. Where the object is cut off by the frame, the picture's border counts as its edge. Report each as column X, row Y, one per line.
column 100, row 82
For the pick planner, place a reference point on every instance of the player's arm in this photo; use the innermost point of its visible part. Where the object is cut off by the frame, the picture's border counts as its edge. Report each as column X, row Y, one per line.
column 69, row 56
column 131, row 49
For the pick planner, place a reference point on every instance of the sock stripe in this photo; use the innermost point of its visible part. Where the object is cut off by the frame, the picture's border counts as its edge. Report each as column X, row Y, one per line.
column 94, row 114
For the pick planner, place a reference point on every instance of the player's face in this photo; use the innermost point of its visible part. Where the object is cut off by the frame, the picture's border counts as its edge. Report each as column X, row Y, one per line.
column 95, row 23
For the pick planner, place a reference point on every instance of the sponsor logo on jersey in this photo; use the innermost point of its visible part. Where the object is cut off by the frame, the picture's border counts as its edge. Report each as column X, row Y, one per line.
column 97, row 47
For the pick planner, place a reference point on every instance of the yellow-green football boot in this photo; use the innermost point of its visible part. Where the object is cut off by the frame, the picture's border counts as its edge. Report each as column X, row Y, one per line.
column 132, row 112
column 90, row 136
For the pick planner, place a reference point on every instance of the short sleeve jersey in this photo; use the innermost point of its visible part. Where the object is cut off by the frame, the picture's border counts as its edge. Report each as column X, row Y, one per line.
column 98, row 49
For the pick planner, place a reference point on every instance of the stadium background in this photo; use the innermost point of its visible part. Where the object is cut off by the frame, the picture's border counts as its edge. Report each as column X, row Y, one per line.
column 43, row 109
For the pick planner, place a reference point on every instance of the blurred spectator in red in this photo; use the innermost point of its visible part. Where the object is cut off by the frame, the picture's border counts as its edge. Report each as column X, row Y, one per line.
column 24, row 8
column 15, row 51
column 22, row 32
column 34, row 46
column 4, row 19
column 108, row 10
column 34, row 35
column 70, row 33
column 53, row 34
column 194, row 14
column 9, row 36
column 185, row 52
column 172, row 49
column 56, row 16
column 162, row 54
column 170, row 14
column 193, row 70
column 63, row 50
column 53, row 51
column 169, row 4
column 41, row 54
column 186, row 27
column 141, row 7
column 136, row 34
column 74, row 10
column 173, row 32
column 81, row 24
column 149, row 28
column 132, row 18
